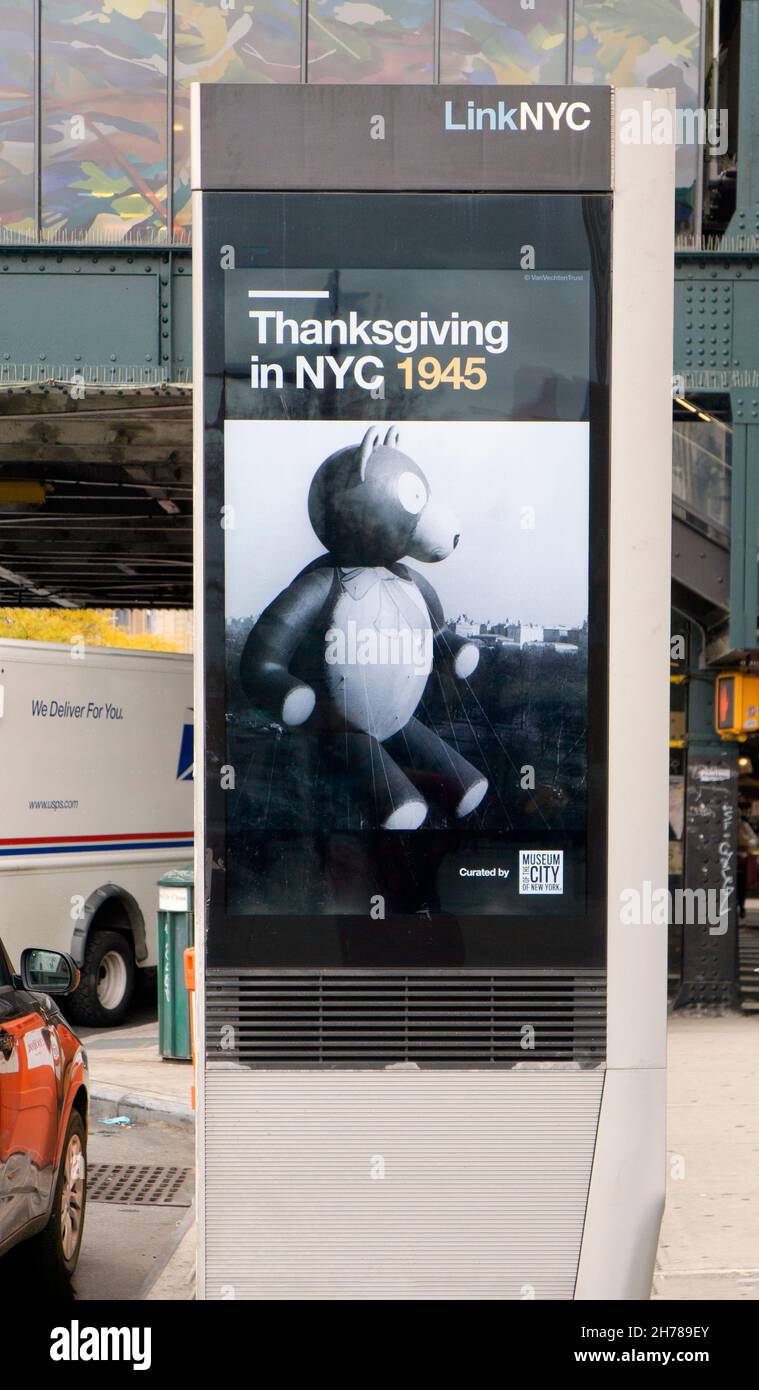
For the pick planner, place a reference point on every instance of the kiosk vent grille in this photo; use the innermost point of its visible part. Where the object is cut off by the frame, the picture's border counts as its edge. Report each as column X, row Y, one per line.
column 350, row 1019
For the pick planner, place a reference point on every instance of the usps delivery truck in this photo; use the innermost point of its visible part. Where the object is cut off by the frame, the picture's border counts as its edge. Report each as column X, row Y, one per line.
column 95, row 806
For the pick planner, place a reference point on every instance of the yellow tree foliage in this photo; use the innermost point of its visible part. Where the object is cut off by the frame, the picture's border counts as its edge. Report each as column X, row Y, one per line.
column 93, row 626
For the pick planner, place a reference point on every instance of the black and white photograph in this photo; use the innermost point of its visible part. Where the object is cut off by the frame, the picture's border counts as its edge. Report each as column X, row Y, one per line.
column 413, row 656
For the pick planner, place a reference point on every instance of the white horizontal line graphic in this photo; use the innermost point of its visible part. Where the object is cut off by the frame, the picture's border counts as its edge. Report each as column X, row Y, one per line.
column 288, row 294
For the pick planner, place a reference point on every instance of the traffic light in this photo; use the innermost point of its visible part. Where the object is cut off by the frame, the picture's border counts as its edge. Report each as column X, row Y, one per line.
column 736, row 705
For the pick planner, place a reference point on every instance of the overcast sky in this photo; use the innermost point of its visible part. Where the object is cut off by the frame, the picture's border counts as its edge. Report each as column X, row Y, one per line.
column 488, row 472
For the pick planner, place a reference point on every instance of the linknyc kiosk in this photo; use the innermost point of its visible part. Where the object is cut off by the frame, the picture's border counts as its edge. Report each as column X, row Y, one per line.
column 433, row 345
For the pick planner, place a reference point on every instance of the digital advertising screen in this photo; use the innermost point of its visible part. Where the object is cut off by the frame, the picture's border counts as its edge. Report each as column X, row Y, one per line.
column 406, row 494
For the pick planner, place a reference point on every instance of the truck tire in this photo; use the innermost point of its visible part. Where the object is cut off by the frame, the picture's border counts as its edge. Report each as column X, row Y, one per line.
column 56, row 1249
column 107, row 981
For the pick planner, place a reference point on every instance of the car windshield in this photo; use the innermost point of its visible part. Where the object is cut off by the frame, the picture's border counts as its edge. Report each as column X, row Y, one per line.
column 5, row 973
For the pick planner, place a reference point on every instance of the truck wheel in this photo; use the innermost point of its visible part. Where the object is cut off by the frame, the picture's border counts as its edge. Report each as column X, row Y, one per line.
column 56, row 1248
column 107, row 981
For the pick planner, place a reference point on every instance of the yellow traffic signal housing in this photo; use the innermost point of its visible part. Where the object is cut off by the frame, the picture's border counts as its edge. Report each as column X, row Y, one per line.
column 736, row 705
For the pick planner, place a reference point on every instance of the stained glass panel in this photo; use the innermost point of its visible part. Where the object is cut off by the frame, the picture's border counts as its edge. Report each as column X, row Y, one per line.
column 104, row 120
column 368, row 41
column 244, row 43
column 646, row 43
column 503, row 41
column 17, row 118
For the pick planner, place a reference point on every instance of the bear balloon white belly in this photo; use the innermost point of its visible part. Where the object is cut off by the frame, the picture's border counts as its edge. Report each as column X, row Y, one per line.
column 378, row 651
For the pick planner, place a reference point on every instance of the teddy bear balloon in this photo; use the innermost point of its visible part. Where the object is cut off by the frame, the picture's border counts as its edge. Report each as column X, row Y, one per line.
column 349, row 645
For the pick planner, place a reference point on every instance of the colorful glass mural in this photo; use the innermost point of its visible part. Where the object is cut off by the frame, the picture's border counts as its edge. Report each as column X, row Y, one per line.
column 106, row 145
column 246, row 43
column 503, row 41
column 16, row 118
column 364, row 41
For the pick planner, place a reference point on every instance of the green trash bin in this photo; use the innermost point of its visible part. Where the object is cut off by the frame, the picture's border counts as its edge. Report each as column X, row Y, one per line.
column 175, row 933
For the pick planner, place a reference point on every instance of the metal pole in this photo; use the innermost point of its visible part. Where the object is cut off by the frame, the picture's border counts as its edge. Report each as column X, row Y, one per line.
column 698, row 192
column 709, row 973
column 745, row 220
column 437, row 24
column 37, row 136
column 304, row 40
column 714, row 78
column 169, row 120
column 570, row 66
column 744, row 505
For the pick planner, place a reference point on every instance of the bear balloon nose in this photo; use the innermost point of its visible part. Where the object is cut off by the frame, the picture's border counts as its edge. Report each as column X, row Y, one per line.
column 436, row 534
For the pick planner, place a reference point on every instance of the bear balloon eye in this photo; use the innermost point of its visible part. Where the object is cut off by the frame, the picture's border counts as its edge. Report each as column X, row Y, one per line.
column 412, row 493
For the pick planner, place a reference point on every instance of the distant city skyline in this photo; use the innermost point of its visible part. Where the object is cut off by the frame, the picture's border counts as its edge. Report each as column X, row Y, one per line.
column 491, row 625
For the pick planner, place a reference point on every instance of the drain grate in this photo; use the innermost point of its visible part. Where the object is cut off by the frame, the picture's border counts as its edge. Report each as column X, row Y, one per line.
column 139, row 1185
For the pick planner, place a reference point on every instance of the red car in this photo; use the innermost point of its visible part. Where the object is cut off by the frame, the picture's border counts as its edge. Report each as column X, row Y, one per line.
column 43, row 1114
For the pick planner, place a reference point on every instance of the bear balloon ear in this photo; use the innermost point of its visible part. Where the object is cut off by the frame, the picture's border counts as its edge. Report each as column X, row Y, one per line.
column 392, row 438
column 368, row 445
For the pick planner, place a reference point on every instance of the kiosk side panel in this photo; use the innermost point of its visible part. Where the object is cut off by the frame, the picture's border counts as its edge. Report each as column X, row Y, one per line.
column 626, row 1197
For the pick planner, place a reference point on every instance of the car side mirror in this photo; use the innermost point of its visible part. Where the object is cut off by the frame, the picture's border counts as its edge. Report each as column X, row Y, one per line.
column 52, row 972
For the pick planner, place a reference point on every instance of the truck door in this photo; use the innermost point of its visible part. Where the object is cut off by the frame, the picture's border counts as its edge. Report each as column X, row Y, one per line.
column 30, row 1083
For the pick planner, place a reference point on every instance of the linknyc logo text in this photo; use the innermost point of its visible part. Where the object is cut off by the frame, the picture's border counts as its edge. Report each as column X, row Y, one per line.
column 528, row 115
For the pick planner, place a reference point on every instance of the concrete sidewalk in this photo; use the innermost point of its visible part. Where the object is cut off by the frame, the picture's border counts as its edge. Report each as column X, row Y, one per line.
column 709, row 1246
column 128, row 1077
